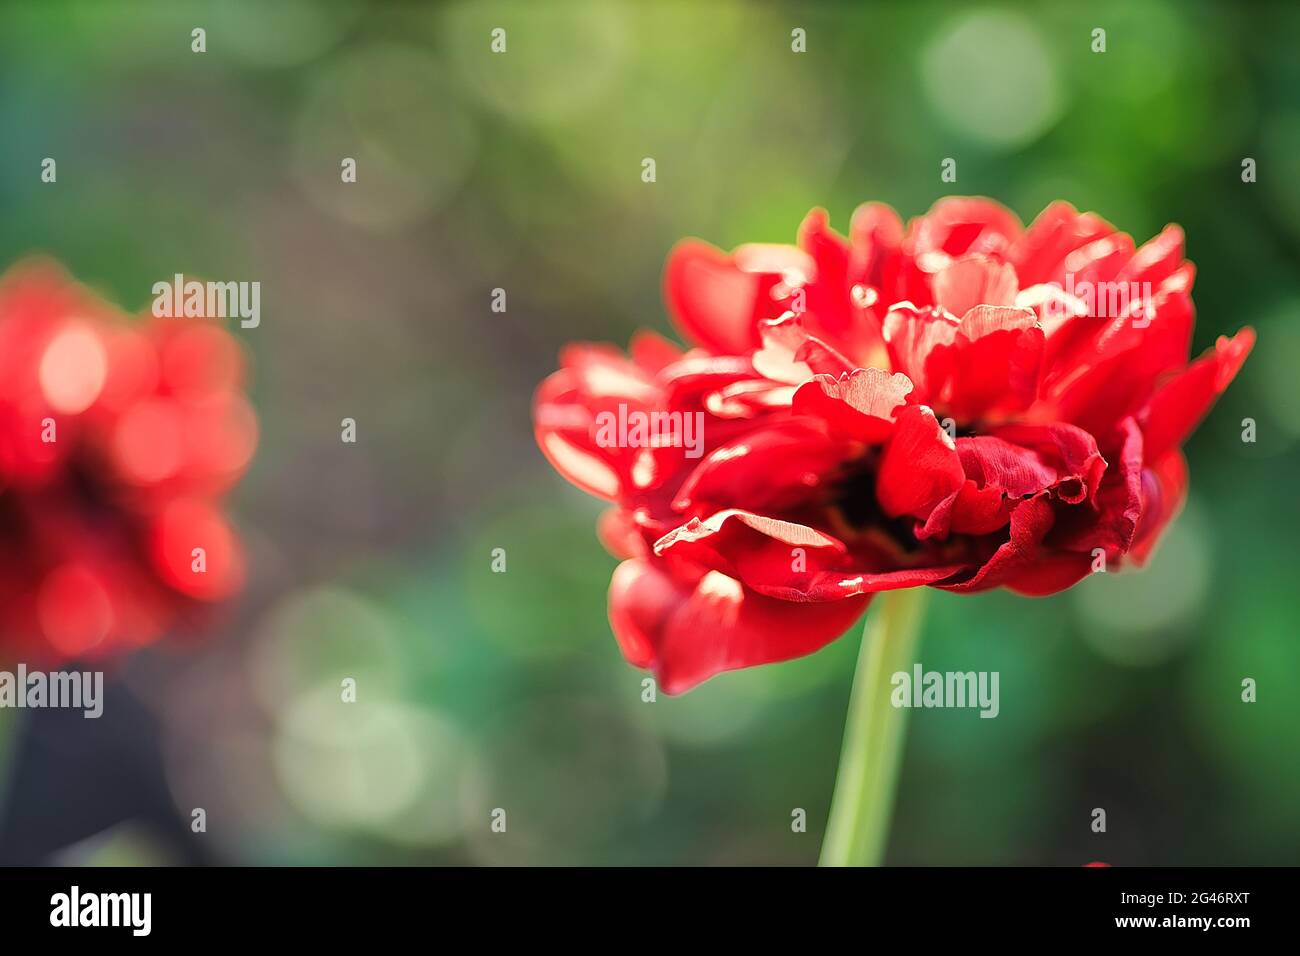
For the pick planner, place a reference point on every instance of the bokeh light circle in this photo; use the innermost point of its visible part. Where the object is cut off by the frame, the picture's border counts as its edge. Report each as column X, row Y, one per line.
column 989, row 74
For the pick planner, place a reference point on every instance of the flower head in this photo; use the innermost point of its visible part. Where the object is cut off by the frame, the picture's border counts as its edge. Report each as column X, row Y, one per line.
column 961, row 403
column 117, row 440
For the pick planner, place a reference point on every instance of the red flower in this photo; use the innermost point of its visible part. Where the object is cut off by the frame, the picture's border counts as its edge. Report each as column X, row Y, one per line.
column 963, row 403
column 117, row 440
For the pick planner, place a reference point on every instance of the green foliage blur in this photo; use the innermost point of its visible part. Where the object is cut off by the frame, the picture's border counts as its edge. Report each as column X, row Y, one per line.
column 479, row 691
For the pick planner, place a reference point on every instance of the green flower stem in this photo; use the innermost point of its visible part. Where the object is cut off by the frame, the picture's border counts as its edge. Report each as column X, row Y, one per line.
column 858, row 829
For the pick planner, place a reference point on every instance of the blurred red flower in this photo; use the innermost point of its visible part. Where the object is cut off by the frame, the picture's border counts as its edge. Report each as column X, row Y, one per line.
column 962, row 403
column 117, row 440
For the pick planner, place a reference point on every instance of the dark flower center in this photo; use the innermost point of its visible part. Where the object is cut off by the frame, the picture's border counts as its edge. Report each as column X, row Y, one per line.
column 854, row 497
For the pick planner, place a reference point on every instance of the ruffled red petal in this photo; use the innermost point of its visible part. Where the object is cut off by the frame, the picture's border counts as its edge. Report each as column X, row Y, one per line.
column 859, row 404
column 689, row 629
column 919, row 468
column 717, row 299
column 1179, row 405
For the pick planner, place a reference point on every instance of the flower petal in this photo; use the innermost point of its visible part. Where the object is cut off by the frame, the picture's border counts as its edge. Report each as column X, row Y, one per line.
column 770, row 468
column 652, row 352
column 1097, row 379
column 790, row 355
column 858, row 405
column 919, row 341
column 1164, row 489
column 919, row 468
column 1030, row 522
column 1179, row 405
column 1113, row 523
column 1039, row 255
column 974, row 280
column 1157, row 259
column 643, row 596
column 995, row 362
column 1016, row 472
column 717, row 299
column 562, row 425
column 689, row 629
column 875, row 237
column 961, row 225
column 1069, row 451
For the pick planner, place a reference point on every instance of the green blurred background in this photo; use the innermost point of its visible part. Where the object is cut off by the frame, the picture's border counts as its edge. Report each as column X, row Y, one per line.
column 523, row 171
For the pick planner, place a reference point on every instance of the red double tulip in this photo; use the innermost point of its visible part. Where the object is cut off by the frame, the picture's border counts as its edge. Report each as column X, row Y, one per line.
column 962, row 403
column 117, row 440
